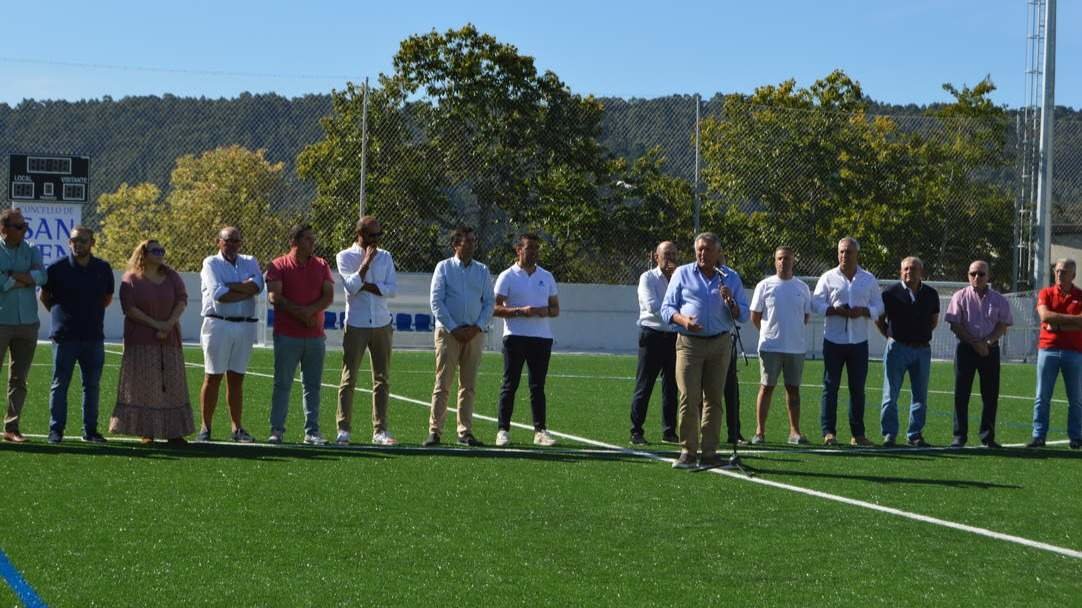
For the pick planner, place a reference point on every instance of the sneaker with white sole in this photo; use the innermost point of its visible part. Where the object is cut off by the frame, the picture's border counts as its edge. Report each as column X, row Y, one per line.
column 544, row 439
column 503, row 439
column 203, row 436
column 275, row 437
column 242, row 436
column 798, row 440
column 314, row 439
column 342, row 438
column 758, row 439
column 384, row 438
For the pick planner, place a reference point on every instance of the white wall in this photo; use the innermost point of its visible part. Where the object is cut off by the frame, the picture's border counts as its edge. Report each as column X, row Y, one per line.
column 593, row 318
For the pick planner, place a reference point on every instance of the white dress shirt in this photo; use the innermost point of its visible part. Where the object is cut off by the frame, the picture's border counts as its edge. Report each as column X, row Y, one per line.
column 364, row 308
column 215, row 277
column 652, row 286
column 834, row 289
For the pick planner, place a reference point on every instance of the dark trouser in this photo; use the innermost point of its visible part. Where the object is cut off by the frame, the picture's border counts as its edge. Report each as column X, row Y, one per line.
column 90, row 355
column 966, row 363
column 854, row 357
column 535, row 353
column 732, row 401
column 657, row 354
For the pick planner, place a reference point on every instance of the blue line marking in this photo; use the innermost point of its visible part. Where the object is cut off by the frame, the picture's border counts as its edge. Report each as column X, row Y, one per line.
column 18, row 584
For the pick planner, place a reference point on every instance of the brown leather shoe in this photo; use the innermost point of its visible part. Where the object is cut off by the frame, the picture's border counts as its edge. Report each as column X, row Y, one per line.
column 14, row 437
column 861, row 442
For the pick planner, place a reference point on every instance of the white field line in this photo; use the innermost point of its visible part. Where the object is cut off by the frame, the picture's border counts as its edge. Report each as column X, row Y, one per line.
column 765, row 482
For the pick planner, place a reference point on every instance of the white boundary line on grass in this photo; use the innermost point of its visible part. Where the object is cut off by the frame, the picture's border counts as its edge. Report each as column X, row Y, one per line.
column 757, row 480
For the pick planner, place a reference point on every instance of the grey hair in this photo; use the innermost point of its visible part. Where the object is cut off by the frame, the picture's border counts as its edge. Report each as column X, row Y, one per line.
column 1067, row 262
column 709, row 237
column 913, row 258
column 852, row 240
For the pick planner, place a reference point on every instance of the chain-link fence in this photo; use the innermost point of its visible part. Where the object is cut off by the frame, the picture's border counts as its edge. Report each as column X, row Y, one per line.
column 602, row 183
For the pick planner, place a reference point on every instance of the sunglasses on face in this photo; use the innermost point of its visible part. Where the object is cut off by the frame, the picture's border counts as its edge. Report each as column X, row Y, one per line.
column 81, row 240
column 22, row 226
column 977, row 273
column 374, row 235
column 159, row 251
column 233, row 241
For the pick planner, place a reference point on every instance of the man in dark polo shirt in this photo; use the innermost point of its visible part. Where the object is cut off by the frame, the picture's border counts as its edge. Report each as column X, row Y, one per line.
column 911, row 313
column 77, row 290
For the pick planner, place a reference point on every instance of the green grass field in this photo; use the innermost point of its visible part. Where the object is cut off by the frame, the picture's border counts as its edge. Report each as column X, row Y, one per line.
column 577, row 525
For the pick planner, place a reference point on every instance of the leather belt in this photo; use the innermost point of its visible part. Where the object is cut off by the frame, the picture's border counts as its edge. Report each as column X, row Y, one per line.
column 234, row 319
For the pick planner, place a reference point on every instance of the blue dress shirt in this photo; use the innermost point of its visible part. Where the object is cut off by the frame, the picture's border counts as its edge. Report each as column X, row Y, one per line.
column 693, row 295
column 461, row 294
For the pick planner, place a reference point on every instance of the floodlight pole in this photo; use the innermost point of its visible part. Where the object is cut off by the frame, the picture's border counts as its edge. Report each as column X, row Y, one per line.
column 698, row 201
column 1041, row 252
column 364, row 146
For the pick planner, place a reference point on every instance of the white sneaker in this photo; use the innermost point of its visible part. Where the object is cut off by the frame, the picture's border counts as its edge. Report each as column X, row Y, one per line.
column 503, row 439
column 543, row 438
column 758, row 439
column 384, row 438
column 343, row 438
column 314, row 439
column 798, row 440
column 275, row 437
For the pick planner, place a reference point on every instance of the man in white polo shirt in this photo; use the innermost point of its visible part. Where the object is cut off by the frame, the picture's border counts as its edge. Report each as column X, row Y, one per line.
column 230, row 282
column 525, row 299
column 780, row 308
column 369, row 278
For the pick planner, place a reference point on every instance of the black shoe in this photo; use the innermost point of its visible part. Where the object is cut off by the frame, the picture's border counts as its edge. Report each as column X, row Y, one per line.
column 738, row 441
column 638, row 439
column 432, row 440
column 1036, row 442
column 55, row 437
column 991, row 443
column 94, row 437
column 918, row 442
column 889, row 441
column 960, row 442
column 470, row 440
column 713, row 460
column 1076, row 444
column 670, row 437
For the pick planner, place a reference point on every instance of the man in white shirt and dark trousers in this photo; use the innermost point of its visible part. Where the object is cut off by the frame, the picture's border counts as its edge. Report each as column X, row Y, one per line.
column 230, row 282
column 461, row 300
column 780, row 307
column 525, row 299
column 657, row 349
column 850, row 299
column 368, row 276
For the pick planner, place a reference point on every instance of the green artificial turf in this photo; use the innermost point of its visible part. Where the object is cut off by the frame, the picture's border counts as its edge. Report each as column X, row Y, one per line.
column 228, row 525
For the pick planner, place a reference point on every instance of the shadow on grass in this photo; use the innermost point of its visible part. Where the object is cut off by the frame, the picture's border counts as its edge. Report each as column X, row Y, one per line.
column 885, row 479
column 288, row 452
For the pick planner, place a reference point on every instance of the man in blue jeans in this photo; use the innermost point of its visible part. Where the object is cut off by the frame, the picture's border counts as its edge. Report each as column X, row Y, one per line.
column 77, row 291
column 1059, row 349
column 911, row 312
column 848, row 296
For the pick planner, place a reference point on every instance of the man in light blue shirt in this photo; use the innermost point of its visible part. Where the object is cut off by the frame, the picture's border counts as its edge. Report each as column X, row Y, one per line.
column 462, row 301
column 21, row 270
column 704, row 303
column 230, row 282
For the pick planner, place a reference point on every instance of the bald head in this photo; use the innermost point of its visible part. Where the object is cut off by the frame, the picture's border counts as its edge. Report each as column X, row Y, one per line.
column 665, row 257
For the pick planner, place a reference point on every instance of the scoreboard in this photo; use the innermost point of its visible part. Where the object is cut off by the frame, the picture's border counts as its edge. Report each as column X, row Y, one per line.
column 48, row 177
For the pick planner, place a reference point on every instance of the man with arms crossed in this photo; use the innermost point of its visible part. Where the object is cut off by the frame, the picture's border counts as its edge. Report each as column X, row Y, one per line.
column 910, row 314
column 780, row 307
column 21, row 270
column 657, row 349
column 300, row 287
column 979, row 316
column 462, row 302
column 705, row 303
column 230, row 282
column 78, row 290
column 1059, row 349
column 849, row 297
column 525, row 299
column 368, row 277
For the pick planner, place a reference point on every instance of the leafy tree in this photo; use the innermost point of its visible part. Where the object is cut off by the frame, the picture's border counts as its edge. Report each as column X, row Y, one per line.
column 129, row 215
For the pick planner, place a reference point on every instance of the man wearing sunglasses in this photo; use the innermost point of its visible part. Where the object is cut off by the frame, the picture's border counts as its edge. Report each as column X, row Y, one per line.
column 368, row 277
column 979, row 316
column 21, row 270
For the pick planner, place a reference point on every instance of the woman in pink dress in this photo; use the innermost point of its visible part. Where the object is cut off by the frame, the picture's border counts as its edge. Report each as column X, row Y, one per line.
column 152, row 397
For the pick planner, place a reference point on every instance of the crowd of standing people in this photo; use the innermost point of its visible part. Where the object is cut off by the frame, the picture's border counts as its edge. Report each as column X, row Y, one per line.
column 689, row 320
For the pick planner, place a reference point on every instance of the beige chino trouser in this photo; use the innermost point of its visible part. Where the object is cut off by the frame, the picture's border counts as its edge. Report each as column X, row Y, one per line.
column 377, row 340
column 466, row 358
column 20, row 340
column 702, row 365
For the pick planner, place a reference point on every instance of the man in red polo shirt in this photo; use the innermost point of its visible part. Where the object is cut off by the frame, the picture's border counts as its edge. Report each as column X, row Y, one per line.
column 1059, row 349
column 300, row 287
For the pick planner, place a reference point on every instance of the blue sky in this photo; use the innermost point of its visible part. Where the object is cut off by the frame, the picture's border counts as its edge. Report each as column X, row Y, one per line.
column 900, row 50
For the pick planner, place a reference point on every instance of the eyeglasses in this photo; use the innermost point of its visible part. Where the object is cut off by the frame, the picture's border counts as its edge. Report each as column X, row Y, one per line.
column 159, row 251
column 374, row 235
column 977, row 273
column 82, row 240
column 22, row 226
column 233, row 241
